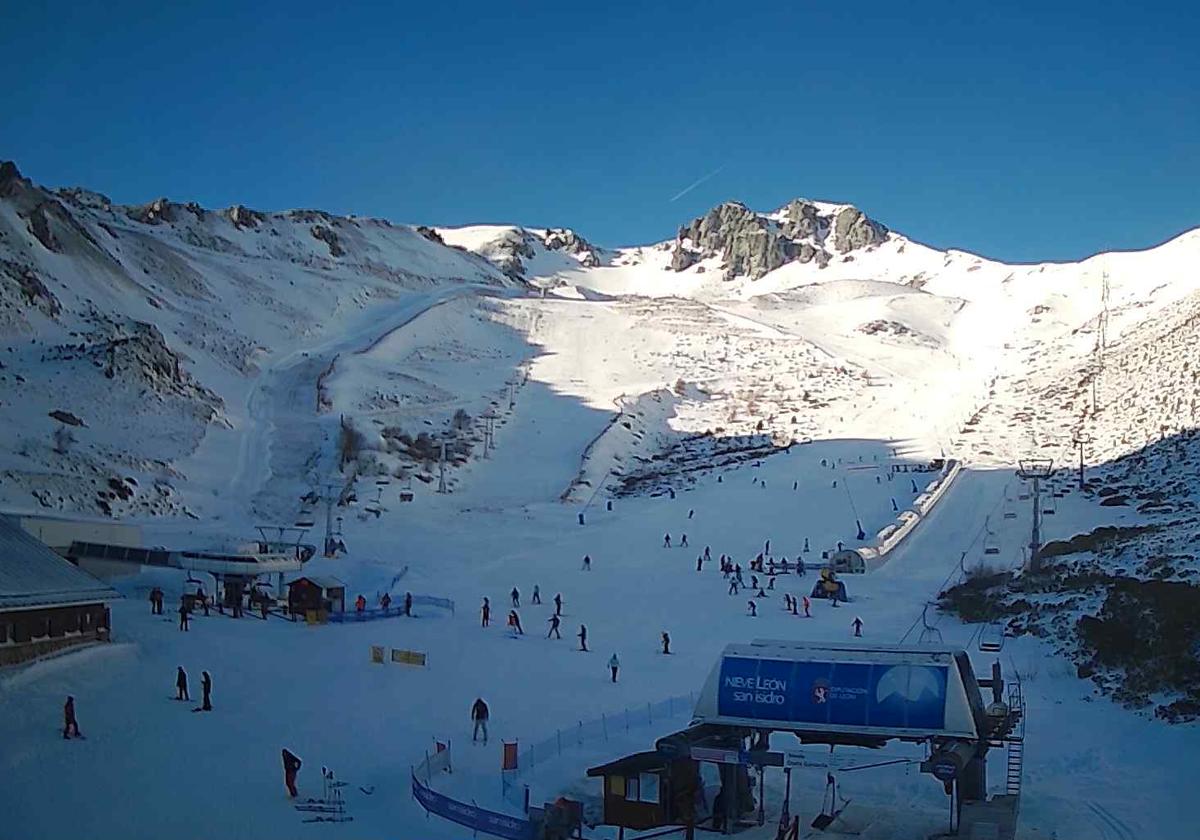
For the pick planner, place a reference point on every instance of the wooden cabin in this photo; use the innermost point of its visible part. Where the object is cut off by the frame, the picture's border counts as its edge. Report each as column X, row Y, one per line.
column 46, row 602
column 316, row 594
column 648, row 790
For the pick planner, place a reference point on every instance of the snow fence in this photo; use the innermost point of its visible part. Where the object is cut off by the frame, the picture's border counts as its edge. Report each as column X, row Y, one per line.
column 585, row 732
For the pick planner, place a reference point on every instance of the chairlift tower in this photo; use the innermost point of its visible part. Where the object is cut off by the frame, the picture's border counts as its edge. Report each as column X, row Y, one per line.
column 442, row 466
column 512, row 392
column 1080, row 441
column 1035, row 470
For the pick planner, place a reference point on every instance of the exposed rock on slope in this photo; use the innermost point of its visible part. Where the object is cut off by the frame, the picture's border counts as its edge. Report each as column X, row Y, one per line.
column 752, row 244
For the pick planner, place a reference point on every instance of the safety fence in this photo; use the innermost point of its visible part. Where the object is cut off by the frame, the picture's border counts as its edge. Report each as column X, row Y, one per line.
column 584, row 732
column 466, row 814
column 396, row 609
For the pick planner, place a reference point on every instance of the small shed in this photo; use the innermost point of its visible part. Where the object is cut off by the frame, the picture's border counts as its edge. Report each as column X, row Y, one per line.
column 648, row 789
column 319, row 594
column 847, row 562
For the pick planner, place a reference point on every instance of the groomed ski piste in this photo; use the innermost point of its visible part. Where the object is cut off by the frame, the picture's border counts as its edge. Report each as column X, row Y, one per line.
column 614, row 365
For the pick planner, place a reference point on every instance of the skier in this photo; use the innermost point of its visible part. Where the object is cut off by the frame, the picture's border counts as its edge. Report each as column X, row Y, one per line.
column 752, row 608
column 183, row 615
column 514, row 621
column 408, row 604
column 699, row 564
column 479, row 714
column 807, row 603
column 800, row 570
column 587, row 562
column 583, row 638
column 737, row 572
column 206, row 690
column 485, row 613
column 691, row 513
column 71, row 724
column 793, row 607
column 516, row 597
column 683, row 541
column 291, row 766
column 386, row 601
column 771, row 584
column 263, row 606
column 154, row 601
column 857, row 623
column 181, row 688
column 787, row 602
column 537, row 595
column 558, row 603
column 767, row 547
column 754, row 581
column 733, row 587
column 360, row 604
column 707, row 555
column 761, row 594
column 613, row 665
column 667, row 541
column 666, row 642
column 554, row 627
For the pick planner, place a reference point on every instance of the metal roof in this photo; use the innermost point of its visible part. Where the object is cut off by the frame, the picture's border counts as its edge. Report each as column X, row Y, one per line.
column 31, row 575
column 323, row 582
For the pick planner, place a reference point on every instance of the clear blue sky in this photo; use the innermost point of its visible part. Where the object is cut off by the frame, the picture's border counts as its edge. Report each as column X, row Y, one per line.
column 1021, row 130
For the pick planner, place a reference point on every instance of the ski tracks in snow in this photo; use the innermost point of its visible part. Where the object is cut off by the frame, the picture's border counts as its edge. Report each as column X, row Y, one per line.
column 1111, row 827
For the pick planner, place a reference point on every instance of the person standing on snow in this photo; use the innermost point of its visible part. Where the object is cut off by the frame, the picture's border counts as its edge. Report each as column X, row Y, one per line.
column 206, row 691
column 183, row 615
column 181, row 688
column 857, row 624
column 291, row 766
column 70, row 724
column 558, row 603
column 514, row 621
column 699, row 564
column 479, row 714
column 752, row 608
column 587, row 562
column 516, row 597
column 554, row 622
column 360, row 604
column 386, row 601
column 613, row 665
column 767, row 547
column 667, row 541
column 754, row 581
column 683, row 541
column 737, row 572
column 707, row 555
column 733, row 587
column 485, row 613
column 771, row 584
column 537, row 595
column 583, row 638
column 666, row 642
column 807, row 604
column 408, row 604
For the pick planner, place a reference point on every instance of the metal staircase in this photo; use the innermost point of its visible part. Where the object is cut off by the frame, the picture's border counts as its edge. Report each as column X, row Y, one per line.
column 1016, row 759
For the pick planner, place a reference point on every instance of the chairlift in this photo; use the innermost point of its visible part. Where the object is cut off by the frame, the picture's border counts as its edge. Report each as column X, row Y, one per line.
column 990, row 544
column 991, row 638
column 1050, row 506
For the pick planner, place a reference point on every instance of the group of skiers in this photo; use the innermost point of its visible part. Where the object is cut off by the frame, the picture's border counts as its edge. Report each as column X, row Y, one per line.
column 385, row 604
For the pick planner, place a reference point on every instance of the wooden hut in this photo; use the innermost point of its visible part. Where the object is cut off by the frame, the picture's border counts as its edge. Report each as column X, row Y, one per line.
column 648, row 790
column 316, row 594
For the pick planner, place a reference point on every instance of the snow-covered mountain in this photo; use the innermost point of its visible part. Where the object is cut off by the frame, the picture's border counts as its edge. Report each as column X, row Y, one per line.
column 180, row 336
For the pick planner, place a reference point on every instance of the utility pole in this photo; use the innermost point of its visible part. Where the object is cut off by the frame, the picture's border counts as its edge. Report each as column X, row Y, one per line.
column 1036, row 469
column 442, row 467
column 1081, row 441
column 512, row 392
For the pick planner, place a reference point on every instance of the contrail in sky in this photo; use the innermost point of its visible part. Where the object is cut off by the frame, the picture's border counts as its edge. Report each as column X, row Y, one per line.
column 695, row 184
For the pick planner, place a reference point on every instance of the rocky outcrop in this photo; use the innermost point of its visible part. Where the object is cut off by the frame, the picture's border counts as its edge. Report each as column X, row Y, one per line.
column 10, row 179
column 155, row 213
column 330, row 238
column 430, row 233
column 21, row 283
column 852, row 230
column 752, row 244
column 244, row 217
column 563, row 239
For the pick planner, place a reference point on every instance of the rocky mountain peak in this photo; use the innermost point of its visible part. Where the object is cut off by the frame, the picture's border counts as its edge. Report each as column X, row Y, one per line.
column 751, row 244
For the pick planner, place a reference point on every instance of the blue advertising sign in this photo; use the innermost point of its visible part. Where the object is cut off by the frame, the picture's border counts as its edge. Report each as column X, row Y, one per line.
column 856, row 694
column 477, row 819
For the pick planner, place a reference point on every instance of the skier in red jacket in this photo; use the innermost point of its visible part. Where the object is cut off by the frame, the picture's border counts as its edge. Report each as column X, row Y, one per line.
column 291, row 766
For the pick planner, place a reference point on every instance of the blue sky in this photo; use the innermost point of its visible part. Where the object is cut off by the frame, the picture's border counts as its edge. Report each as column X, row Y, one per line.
column 1021, row 130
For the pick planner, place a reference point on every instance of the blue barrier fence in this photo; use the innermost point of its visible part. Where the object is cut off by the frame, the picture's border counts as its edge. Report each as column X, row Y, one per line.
column 471, row 816
column 396, row 609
